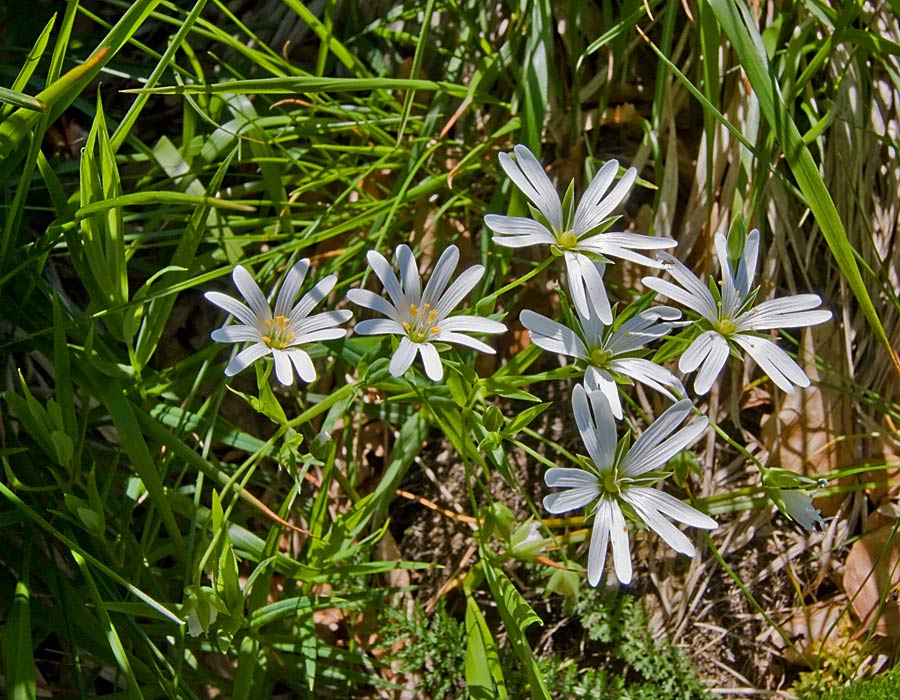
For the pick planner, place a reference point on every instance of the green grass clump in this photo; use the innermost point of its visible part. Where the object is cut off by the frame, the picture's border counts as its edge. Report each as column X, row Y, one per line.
column 883, row 687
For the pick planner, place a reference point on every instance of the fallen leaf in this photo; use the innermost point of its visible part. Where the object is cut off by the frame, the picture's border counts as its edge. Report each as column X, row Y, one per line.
column 872, row 576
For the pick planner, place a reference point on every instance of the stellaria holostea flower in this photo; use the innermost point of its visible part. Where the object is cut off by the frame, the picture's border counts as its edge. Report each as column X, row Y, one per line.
column 792, row 494
column 610, row 352
column 579, row 236
column 282, row 332
column 615, row 482
column 422, row 317
column 731, row 319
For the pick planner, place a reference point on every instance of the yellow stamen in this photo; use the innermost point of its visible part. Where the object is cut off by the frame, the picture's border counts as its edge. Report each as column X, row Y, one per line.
column 435, row 330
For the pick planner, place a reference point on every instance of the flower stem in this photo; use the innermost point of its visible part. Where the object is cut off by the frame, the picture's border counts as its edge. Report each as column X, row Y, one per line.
column 518, row 281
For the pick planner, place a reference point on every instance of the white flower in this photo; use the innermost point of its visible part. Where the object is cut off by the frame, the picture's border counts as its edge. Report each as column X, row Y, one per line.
column 578, row 236
column 798, row 506
column 421, row 317
column 733, row 320
column 610, row 352
column 280, row 333
column 615, row 477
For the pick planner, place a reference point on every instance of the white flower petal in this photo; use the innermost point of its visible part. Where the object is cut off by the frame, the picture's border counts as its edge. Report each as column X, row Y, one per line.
column 601, row 381
column 302, row 363
column 460, row 339
column 246, row 357
column 319, row 336
column 586, row 287
column 798, row 507
column 649, row 374
column 251, row 292
column 646, row 448
column 747, row 267
column 382, row 269
column 472, row 324
column 712, row 349
column 597, row 429
column 379, row 326
column 236, row 334
column 290, row 287
column 518, row 231
column 594, row 208
column 645, row 509
column 283, row 367
column 621, row 551
column 569, row 478
column 580, row 489
column 371, row 300
column 730, row 299
column 774, row 361
column 403, row 357
column 458, row 290
column 313, row 297
column 434, row 370
column 786, row 312
column 233, row 306
column 409, row 273
column 528, row 175
column 321, row 321
column 599, row 541
column 696, row 352
column 695, row 295
column 552, row 336
column 664, row 451
column 677, row 510
column 441, row 275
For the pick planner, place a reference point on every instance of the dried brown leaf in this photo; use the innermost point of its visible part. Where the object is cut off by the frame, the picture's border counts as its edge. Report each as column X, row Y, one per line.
column 871, row 578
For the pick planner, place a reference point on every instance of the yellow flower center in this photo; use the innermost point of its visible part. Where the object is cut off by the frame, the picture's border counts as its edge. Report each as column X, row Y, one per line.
column 421, row 326
column 278, row 335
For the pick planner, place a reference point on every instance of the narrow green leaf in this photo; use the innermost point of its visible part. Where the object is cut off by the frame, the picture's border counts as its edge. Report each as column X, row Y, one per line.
column 29, row 65
column 308, row 84
column 484, row 673
column 18, row 656
column 20, row 99
column 517, row 616
column 112, row 635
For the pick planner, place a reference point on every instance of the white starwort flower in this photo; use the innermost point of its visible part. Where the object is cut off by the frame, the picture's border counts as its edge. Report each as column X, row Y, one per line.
column 798, row 506
column 730, row 318
column 282, row 332
column 610, row 353
column 422, row 317
column 790, row 492
column 579, row 236
column 615, row 482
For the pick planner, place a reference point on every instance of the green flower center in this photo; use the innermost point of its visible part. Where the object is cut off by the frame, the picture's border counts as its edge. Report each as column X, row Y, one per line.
column 599, row 357
column 609, row 481
column 421, row 326
column 726, row 326
column 278, row 333
column 566, row 240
